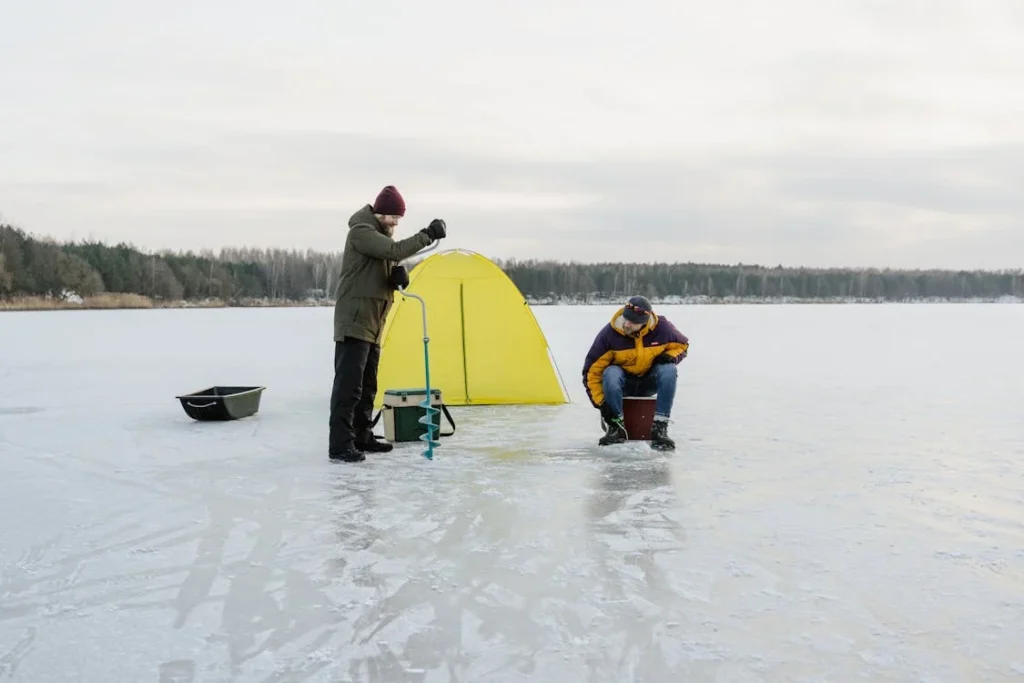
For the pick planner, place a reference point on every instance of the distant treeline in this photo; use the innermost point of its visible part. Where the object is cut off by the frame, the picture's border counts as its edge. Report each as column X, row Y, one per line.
column 31, row 266
column 551, row 279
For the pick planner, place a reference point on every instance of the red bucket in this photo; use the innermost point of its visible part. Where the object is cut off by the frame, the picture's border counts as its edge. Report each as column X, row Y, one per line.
column 638, row 414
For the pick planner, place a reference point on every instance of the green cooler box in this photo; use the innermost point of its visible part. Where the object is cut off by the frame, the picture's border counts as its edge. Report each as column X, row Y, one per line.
column 402, row 414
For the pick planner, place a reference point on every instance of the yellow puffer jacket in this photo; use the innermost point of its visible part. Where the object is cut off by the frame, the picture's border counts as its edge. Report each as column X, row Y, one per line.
column 634, row 354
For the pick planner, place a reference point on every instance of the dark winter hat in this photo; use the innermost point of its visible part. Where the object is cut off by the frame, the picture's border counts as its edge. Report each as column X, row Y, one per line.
column 637, row 309
column 389, row 202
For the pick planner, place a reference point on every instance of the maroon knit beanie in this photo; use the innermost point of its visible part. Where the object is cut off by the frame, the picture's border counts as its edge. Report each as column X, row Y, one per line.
column 389, row 202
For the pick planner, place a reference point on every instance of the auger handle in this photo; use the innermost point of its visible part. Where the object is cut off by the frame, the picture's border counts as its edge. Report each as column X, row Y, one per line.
column 430, row 247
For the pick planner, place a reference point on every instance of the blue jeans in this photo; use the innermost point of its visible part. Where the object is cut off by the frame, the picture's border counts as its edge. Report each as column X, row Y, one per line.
column 660, row 380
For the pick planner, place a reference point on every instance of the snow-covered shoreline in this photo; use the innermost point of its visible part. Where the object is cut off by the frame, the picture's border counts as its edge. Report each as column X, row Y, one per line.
column 71, row 301
column 706, row 300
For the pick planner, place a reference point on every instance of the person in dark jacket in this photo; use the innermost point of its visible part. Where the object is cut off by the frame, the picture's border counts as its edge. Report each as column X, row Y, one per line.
column 366, row 285
column 634, row 354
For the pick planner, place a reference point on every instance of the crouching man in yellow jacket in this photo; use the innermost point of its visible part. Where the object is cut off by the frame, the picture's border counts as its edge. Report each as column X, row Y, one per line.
column 635, row 354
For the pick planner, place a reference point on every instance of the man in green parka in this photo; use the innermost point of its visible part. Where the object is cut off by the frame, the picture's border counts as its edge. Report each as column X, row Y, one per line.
column 366, row 285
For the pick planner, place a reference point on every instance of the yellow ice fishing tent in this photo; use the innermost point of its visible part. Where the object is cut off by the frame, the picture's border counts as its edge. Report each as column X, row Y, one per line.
column 485, row 346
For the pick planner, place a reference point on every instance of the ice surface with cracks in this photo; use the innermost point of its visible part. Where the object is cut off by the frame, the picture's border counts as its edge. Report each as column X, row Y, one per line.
column 846, row 503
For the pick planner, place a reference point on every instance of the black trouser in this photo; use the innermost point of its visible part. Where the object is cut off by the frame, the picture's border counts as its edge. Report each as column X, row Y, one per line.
column 355, row 388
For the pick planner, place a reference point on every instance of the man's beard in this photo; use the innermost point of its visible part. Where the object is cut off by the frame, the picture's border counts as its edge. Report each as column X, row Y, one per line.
column 389, row 230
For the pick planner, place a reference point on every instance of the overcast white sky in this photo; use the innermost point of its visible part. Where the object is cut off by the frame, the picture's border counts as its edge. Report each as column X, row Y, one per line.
column 817, row 132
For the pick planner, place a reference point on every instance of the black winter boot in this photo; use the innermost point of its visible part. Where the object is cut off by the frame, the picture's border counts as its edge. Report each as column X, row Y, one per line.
column 660, row 440
column 347, row 454
column 615, row 432
column 371, row 443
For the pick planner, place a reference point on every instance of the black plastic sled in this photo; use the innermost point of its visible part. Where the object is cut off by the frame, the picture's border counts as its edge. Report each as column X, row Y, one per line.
column 222, row 403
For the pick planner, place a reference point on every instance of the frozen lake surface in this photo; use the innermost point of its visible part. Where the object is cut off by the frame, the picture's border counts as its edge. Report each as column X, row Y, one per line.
column 846, row 503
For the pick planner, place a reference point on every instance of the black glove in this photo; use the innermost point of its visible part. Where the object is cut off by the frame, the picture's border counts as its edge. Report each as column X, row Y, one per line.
column 436, row 230
column 606, row 412
column 664, row 359
column 399, row 276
